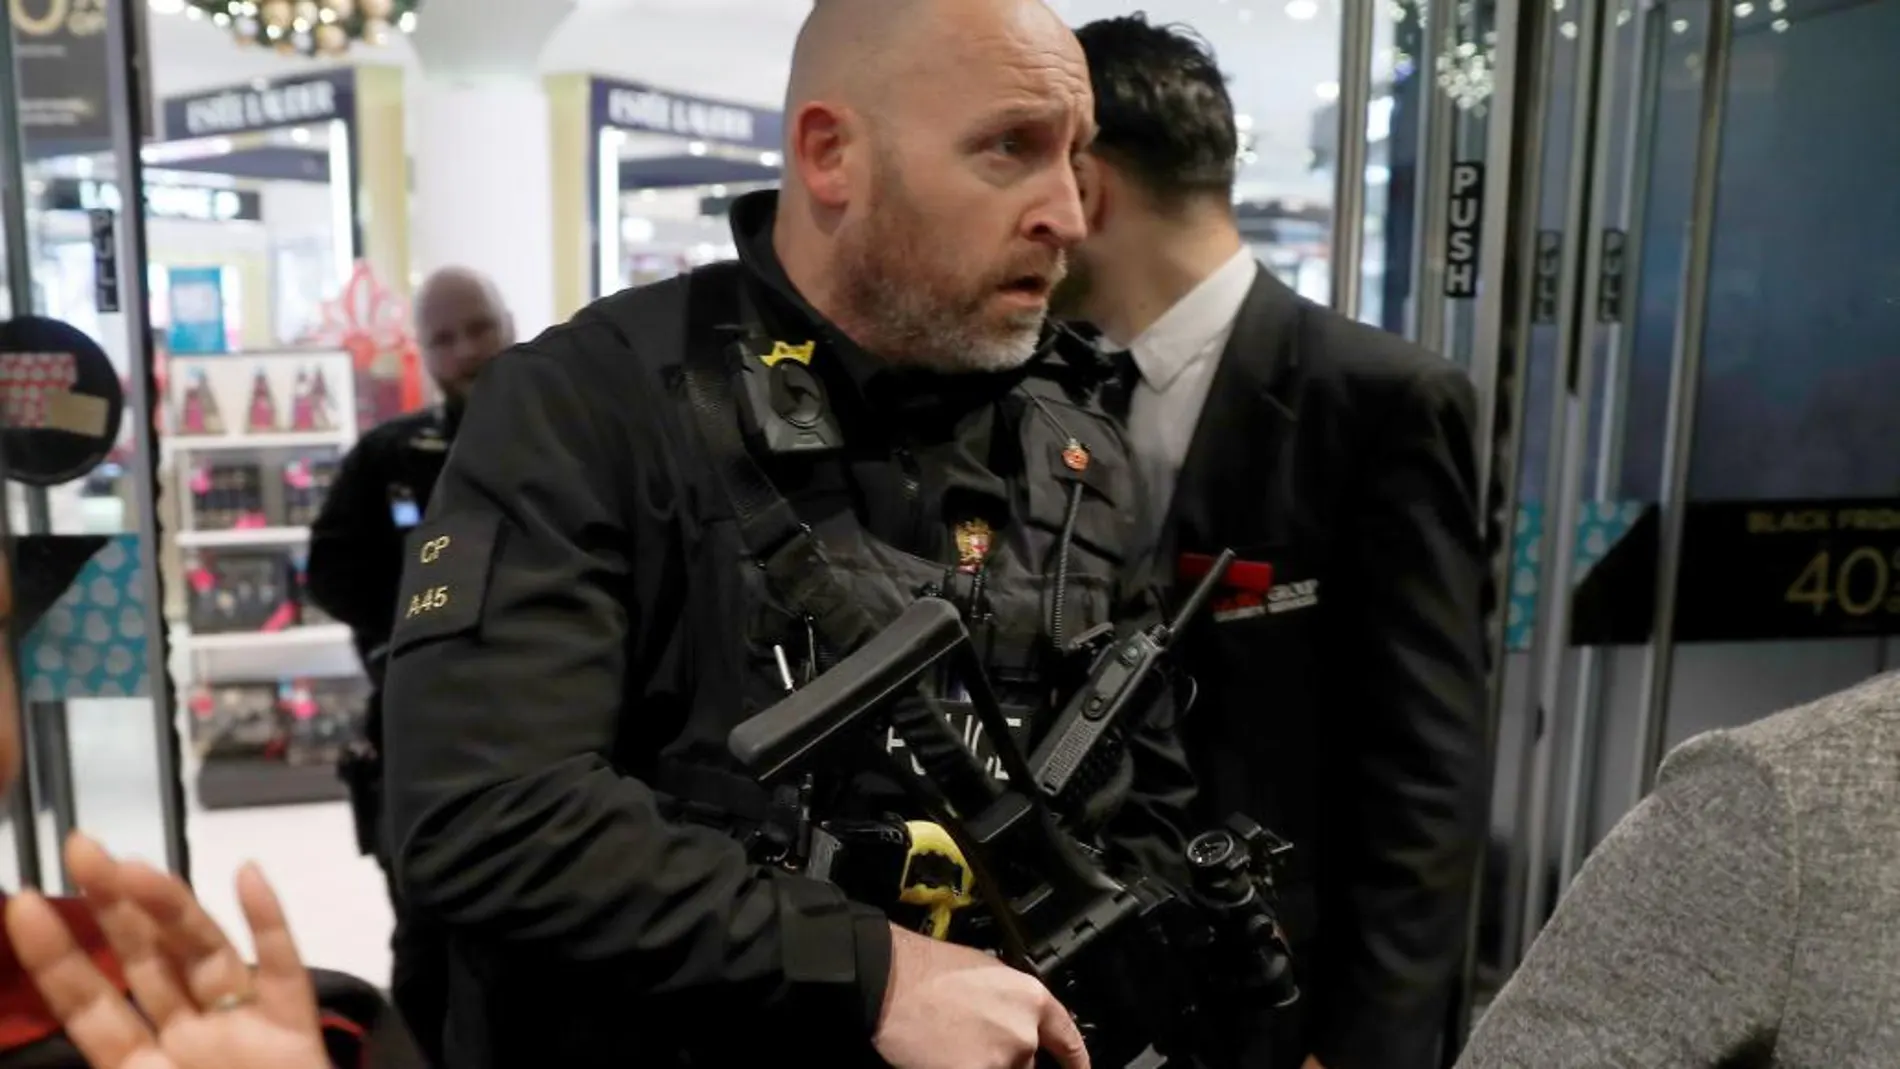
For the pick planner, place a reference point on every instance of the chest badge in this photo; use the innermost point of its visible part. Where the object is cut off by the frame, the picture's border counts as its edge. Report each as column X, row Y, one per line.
column 1075, row 456
column 973, row 544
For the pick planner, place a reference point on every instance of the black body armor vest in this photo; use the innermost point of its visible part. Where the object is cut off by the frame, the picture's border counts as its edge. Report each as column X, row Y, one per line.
column 775, row 600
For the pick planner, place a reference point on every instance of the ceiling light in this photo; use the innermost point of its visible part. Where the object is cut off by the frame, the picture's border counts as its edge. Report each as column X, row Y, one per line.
column 1301, row 9
column 1243, row 122
column 1328, row 91
column 1680, row 25
column 1744, row 9
column 769, row 159
column 1779, row 25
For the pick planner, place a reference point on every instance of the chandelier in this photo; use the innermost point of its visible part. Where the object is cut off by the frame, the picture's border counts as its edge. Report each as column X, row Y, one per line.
column 310, row 27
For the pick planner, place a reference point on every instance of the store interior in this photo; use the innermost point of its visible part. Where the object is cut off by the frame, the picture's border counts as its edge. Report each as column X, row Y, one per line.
column 248, row 249
column 252, row 240
column 665, row 201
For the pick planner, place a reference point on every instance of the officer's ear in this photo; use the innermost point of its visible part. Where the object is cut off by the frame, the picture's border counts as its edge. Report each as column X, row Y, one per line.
column 819, row 141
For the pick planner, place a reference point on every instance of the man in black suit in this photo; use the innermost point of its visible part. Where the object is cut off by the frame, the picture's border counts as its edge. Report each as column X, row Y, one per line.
column 1340, row 677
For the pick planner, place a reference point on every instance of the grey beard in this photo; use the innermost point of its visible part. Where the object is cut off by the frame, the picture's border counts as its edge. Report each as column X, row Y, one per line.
column 902, row 330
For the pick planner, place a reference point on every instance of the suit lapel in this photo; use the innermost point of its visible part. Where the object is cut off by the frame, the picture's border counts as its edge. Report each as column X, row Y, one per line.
column 1236, row 444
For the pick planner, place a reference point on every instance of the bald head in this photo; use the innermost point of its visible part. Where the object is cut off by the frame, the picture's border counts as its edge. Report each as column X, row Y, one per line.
column 840, row 41
column 929, row 188
column 860, row 53
column 461, row 324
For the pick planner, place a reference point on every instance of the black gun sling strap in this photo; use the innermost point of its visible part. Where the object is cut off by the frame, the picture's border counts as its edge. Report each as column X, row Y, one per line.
column 718, row 311
column 790, row 554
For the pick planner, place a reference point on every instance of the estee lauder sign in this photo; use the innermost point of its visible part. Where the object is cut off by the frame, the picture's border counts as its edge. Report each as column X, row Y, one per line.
column 259, row 107
column 630, row 106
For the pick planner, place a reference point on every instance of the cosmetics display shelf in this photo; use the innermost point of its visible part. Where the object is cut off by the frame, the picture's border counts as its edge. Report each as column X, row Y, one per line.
column 269, row 686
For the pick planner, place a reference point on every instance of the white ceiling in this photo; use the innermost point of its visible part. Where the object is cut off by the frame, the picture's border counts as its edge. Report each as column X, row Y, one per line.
column 1281, row 67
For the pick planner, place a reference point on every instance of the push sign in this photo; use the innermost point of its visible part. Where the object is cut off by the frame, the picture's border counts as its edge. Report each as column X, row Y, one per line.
column 1466, row 215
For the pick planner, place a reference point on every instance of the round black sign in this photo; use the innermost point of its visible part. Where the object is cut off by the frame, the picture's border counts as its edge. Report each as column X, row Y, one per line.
column 61, row 402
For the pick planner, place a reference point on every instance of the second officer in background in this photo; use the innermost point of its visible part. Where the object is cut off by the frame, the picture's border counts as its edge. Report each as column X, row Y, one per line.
column 356, row 553
column 602, row 589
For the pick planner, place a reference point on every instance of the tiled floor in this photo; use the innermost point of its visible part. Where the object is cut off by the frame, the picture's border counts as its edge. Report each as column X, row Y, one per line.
column 338, row 909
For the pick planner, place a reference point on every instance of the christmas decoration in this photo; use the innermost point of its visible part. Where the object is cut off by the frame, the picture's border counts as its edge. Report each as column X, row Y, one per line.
column 371, row 323
column 310, row 27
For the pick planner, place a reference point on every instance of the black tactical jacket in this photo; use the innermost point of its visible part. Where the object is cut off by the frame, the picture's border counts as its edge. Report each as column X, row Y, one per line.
column 579, row 629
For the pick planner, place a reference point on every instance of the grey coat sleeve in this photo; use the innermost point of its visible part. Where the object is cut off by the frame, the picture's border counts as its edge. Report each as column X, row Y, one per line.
column 1674, row 947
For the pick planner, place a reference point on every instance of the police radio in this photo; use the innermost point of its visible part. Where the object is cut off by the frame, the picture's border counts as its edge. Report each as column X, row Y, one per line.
column 785, row 405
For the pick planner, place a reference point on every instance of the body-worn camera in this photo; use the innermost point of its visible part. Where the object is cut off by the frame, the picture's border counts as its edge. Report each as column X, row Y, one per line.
column 783, row 401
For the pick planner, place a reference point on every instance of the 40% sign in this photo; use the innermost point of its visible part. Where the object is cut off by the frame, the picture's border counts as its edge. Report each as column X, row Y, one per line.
column 1857, row 582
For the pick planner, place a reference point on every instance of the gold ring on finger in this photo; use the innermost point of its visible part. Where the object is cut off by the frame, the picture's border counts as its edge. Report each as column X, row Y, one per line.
column 236, row 1000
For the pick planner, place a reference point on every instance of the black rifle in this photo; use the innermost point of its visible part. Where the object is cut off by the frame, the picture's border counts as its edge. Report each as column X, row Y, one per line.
column 1139, row 963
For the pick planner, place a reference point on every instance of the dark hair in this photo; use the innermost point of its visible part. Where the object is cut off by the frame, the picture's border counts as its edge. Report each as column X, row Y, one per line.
column 1162, row 108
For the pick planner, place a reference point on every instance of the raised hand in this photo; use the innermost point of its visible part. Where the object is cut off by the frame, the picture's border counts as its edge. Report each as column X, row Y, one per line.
column 203, row 1007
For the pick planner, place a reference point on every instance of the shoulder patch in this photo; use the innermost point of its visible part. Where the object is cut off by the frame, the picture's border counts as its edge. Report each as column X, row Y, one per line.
column 444, row 579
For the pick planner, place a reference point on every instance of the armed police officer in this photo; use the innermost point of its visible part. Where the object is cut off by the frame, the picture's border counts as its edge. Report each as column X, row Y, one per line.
column 383, row 485
column 356, row 555
column 620, row 561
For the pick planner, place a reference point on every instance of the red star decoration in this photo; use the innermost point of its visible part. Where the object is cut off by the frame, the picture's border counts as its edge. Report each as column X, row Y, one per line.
column 369, row 320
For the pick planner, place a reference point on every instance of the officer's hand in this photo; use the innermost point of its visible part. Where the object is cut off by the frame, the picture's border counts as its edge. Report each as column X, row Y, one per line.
column 950, row 1007
column 203, row 1007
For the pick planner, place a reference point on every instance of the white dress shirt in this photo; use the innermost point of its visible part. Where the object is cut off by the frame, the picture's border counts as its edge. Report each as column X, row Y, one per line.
column 1177, row 356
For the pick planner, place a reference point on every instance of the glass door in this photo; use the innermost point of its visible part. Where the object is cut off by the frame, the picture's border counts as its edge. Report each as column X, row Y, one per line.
column 1761, row 386
column 88, row 635
column 1695, row 329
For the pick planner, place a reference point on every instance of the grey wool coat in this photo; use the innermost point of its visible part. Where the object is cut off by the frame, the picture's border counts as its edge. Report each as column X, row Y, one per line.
column 1746, row 914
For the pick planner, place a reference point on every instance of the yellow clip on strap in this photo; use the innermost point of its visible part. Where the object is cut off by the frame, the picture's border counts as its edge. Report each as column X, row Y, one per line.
column 786, row 351
column 935, row 876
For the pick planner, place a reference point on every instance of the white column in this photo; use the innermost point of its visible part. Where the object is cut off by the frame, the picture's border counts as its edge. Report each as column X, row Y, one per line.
column 482, row 195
